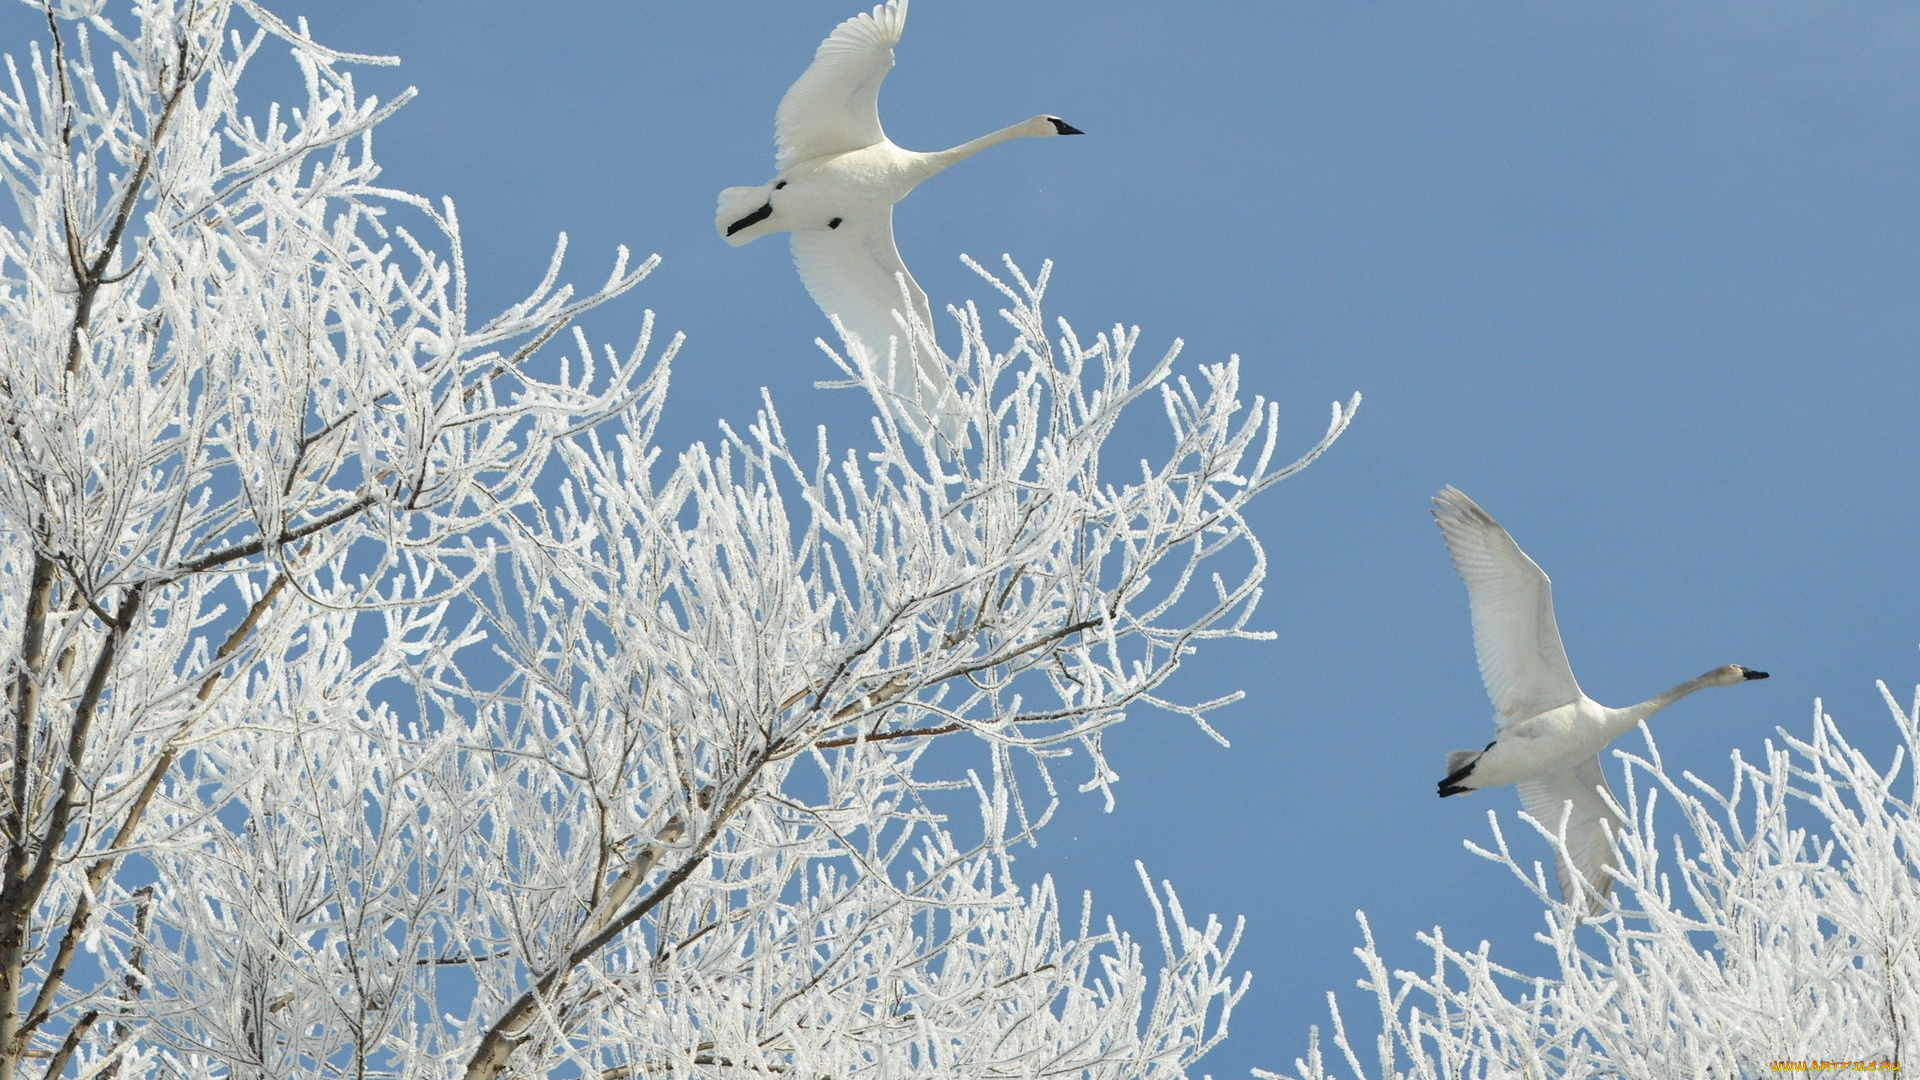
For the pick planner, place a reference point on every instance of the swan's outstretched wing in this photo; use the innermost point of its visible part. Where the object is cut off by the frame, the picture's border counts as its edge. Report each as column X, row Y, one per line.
column 1545, row 799
column 1521, row 659
column 834, row 106
column 855, row 272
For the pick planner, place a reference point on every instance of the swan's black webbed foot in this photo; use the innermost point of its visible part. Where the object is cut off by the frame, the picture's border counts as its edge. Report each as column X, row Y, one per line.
column 1453, row 783
column 752, row 219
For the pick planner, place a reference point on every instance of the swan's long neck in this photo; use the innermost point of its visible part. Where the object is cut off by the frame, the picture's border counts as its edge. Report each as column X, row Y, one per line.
column 1620, row 721
column 940, row 159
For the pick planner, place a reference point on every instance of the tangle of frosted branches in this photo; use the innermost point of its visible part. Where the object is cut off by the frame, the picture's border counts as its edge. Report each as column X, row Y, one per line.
column 1747, row 940
column 383, row 701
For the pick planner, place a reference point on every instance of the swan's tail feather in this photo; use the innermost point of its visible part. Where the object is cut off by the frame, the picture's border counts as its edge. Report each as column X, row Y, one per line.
column 1460, row 765
column 742, row 211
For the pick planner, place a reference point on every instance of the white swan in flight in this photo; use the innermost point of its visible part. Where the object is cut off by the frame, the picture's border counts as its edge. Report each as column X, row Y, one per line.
column 1549, row 735
column 838, row 178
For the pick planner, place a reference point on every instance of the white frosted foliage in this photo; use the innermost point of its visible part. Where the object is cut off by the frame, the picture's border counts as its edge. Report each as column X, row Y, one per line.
column 1780, row 924
column 384, row 700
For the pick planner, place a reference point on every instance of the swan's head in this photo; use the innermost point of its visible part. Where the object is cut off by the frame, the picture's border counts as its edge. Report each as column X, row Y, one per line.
column 1734, row 673
column 1045, row 125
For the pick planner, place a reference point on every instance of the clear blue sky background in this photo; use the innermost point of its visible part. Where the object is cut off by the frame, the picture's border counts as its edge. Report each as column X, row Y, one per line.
column 1637, row 275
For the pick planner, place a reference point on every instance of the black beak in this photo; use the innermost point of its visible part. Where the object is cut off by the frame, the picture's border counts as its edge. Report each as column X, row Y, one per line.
column 1061, row 127
column 1752, row 674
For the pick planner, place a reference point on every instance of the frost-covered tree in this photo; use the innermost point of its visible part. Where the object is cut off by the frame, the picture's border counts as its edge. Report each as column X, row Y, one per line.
column 383, row 701
column 1781, row 926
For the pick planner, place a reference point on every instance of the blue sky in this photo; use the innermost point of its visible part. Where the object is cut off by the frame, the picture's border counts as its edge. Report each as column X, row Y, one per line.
column 1637, row 276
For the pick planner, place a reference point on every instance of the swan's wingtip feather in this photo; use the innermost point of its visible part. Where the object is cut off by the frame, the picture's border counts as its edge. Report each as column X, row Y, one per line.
column 1452, row 508
column 881, row 26
column 1451, row 499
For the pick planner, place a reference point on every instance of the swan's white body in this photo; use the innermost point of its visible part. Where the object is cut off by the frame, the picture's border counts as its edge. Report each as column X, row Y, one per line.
column 1549, row 734
column 838, row 178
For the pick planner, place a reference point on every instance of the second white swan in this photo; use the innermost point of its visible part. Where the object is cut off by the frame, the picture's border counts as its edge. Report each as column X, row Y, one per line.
column 1549, row 734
